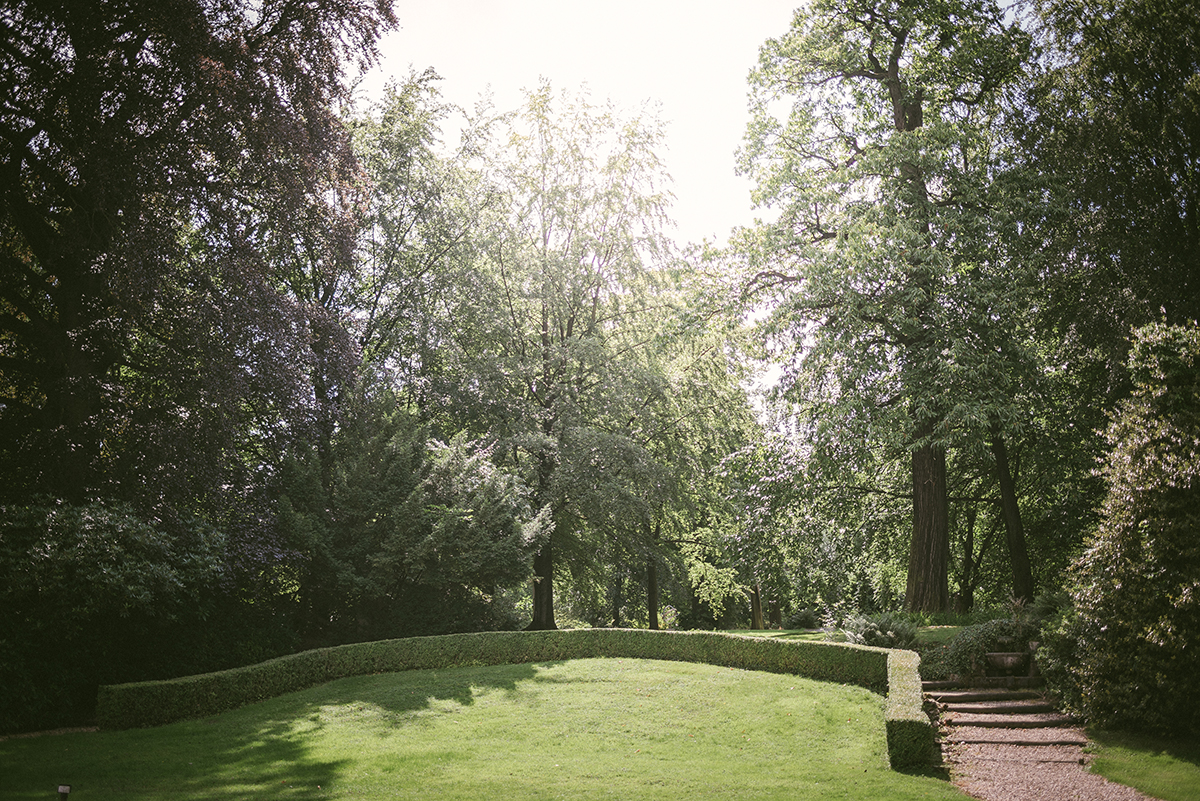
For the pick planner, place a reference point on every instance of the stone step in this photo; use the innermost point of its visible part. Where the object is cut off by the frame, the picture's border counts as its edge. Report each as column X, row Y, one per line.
column 982, row 682
column 992, row 721
column 1026, row 738
column 1003, row 707
column 1009, row 682
column 967, row 696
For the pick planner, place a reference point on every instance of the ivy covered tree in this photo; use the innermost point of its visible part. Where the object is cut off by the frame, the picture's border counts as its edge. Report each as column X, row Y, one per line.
column 156, row 161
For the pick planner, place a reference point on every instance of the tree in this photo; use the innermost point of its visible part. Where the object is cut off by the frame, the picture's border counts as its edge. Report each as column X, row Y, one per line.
column 1112, row 123
column 418, row 232
column 548, row 353
column 157, row 159
column 884, row 176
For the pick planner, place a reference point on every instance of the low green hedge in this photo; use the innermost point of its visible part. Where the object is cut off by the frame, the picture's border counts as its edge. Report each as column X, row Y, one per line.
column 152, row 703
column 911, row 739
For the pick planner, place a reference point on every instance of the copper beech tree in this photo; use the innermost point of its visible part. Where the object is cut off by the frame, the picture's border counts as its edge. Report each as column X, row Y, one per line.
column 161, row 164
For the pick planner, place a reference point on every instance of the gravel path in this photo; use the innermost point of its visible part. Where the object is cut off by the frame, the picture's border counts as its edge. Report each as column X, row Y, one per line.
column 1000, row 771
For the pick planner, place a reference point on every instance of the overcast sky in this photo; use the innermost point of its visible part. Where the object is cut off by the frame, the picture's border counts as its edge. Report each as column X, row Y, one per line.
column 692, row 56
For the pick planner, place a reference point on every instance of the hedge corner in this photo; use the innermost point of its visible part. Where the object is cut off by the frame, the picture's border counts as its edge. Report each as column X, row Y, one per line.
column 911, row 739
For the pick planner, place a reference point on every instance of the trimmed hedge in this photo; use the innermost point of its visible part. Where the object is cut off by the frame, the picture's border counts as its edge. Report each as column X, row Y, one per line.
column 153, row 703
column 910, row 736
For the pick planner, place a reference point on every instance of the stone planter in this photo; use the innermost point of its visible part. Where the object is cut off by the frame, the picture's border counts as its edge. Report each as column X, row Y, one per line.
column 1007, row 663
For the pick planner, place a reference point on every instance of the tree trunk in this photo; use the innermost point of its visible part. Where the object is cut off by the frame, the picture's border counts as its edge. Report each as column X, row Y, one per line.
column 756, row 615
column 617, row 599
column 543, row 590
column 652, row 592
column 1017, row 554
column 966, row 587
column 929, row 555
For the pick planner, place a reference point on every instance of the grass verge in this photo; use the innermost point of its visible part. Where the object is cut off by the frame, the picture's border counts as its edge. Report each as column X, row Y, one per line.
column 590, row 728
column 1165, row 769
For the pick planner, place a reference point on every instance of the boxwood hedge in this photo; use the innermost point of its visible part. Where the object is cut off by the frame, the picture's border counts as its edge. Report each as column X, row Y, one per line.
column 152, row 703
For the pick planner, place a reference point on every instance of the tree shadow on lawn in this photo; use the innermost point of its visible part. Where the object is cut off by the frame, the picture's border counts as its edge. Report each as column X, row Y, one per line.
column 1183, row 749
column 266, row 750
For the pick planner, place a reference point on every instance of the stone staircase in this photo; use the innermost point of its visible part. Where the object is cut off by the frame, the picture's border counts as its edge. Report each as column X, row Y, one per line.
column 1001, row 710
column 1003, row 740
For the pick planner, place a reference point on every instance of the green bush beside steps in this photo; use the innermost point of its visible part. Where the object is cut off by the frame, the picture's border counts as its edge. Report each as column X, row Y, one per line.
column 910, row 735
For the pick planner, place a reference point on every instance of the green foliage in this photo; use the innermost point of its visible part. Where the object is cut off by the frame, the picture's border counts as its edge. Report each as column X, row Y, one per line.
column 472, row 524
column 161, row 171
column 83, row 589
column 1125, row 654
column 412, row 537
column 899, row 315
column 965, row 657
column 888, row 630
column 803, row 619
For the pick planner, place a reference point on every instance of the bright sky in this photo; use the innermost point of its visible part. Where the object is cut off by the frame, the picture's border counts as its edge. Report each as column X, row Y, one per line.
column 691, row 56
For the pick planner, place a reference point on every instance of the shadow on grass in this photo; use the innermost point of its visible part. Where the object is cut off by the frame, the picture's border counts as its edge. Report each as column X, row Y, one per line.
column 1161, row 768
column 268, row 750
column 1185, row 750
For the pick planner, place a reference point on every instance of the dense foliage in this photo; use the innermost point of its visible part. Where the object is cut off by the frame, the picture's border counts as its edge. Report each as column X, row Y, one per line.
column 93, row 593
column 1125, row 653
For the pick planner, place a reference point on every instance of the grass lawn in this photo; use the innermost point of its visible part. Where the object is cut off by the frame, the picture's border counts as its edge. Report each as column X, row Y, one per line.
column 596, row 728
column 1165, row 769
column 928, row 635
column 785, row 634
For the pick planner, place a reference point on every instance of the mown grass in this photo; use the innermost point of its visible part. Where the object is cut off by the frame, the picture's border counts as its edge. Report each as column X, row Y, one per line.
column 590, row 729
column 1165, row 769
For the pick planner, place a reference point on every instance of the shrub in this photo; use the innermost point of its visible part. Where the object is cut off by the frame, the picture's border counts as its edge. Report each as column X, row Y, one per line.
column 83, row 589
column 1127, row 654
column 964, row 657
column 155, row 702
column 803, row 619
column 882, row 631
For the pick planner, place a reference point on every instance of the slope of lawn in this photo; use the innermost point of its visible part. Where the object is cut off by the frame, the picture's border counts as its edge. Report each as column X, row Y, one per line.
column 594, row 728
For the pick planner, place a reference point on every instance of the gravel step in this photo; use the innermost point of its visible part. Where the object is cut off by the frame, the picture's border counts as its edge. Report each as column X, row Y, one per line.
column 969, row 696
column 992, row 721
column 1002, row 707
column 1025, row 738
column 1070, row 753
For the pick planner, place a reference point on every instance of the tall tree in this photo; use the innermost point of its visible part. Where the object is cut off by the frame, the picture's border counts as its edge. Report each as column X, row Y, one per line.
column 153, row 158
column 551, row 336
column 883, row 176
